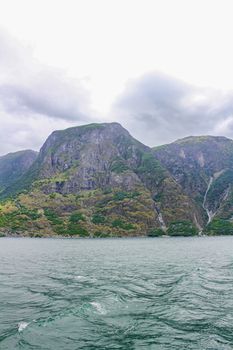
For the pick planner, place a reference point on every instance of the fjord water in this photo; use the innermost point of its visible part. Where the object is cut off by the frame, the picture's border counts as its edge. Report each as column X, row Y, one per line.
column 174, row 293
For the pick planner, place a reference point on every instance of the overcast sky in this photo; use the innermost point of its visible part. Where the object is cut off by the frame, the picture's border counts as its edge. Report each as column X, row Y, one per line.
column 162, row 68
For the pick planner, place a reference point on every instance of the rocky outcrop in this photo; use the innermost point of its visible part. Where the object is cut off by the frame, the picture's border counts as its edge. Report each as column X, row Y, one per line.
column 203, row 168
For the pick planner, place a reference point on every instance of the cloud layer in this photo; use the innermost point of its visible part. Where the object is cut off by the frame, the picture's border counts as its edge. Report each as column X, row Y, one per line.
column 159, row 109
column 35, row 99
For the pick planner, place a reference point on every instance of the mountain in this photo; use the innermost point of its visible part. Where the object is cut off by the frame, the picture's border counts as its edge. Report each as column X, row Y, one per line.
column 15, row 165
column 96, row 179
column 203, row 167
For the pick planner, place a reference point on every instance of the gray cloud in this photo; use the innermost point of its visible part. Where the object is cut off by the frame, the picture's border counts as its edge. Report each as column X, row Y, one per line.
column 47, row 95
column 26, row 132
column 35, row 99
column 30, row 87
column 159, row 109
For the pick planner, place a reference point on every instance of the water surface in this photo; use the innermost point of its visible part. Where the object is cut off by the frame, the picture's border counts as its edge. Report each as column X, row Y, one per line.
column 163, row 293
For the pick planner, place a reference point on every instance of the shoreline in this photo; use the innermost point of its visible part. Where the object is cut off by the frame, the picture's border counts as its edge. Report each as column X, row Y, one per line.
column 109, row 237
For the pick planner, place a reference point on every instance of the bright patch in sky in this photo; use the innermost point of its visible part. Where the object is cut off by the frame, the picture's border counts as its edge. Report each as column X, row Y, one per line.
column 73, row 60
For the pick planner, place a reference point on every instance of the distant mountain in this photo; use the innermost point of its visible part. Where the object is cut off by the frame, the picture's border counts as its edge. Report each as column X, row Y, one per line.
column 14, row 165
column 203, row 167
column 97, row 180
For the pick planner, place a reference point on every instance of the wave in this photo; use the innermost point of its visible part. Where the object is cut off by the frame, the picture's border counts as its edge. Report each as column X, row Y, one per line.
column 22, row 325
column 99, row 308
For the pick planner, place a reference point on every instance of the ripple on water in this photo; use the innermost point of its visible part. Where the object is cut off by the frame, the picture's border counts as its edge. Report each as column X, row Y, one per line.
column 117, row 294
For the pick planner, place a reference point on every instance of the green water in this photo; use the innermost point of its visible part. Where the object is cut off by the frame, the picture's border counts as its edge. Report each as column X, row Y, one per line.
column 165, row 293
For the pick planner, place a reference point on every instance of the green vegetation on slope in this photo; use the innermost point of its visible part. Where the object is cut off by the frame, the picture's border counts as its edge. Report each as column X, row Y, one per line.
column 14, row 165
column 91, row 213
column 219, row 227
column 156, row 232
column 182, row 228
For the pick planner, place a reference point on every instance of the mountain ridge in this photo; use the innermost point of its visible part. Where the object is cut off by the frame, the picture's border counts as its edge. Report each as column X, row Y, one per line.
column 13, row 165
column 114, row 185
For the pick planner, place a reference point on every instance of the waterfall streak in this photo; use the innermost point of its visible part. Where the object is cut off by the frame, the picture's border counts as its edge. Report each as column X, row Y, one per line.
column 210, row 214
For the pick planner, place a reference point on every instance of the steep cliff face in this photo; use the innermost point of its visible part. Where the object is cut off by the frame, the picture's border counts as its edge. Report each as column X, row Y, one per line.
column 203, row 166
column 90, row 157
column 113, row 181
column 15, row 165
column 97, row 180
